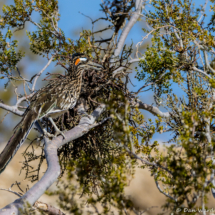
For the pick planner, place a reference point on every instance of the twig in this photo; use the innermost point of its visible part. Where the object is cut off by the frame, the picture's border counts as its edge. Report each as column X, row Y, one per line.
column 159, row 188
column 147, row 162
column 11, row 191
column 41, row 71
column 117, row 71
column 155, row 29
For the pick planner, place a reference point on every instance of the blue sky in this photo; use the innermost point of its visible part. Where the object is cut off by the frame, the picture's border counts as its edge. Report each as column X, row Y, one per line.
column 71, row 22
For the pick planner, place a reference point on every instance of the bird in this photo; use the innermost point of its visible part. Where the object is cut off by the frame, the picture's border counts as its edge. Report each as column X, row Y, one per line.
column 51, row 101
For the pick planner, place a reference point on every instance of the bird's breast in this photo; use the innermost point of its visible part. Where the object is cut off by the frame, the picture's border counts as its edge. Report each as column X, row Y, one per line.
column 68, row 93
column 68, row 100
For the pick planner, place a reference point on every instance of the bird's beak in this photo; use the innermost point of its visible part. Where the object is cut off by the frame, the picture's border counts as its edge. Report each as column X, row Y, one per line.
column 92, row 65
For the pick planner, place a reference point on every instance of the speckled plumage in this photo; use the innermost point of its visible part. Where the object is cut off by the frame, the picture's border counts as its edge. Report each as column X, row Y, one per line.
column 61, row 94
column 50, row 101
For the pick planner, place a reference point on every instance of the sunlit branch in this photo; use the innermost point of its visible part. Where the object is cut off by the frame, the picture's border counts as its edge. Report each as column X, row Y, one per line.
column 159, row 188
column 200, row 71
column 201, row 47
column 53, row 171
column 119, row 70
column 48, row 208
column 152, row 109
column 40, row 72
column 207, row 62
column 202, row 13
column 12, row 109
column 127, row 28
column 38, row 204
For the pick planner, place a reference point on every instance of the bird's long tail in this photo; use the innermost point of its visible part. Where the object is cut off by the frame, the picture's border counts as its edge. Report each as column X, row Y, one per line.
column 21, row 132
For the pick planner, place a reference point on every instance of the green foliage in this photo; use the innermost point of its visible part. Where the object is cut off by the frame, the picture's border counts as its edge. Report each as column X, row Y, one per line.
column 187, row 163
column 103, row 161
column 165, row 60
column 99, row 159
column 100, row 163
column 159, row 64
column 9, row 57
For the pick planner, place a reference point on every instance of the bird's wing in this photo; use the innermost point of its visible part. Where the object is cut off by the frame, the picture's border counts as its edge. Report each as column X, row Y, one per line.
column 45, row 100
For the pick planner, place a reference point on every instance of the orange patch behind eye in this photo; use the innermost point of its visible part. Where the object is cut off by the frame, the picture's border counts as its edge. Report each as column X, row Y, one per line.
column 77, row 61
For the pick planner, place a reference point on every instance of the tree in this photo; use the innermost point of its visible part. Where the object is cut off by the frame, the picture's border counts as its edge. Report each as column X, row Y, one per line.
column 103, row 146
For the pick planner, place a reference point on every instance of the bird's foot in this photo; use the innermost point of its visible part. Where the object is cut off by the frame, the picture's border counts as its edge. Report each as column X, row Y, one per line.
column 47, row 134
column 84, row 114
column 57, row 131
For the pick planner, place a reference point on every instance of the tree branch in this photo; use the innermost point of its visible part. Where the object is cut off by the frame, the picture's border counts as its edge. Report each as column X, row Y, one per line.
column 200, row 71
column 203, row 10
column 117, row 71
column 53, row 171
column 147, row 162
column 12, row 109
column 41, row 71
column 159, row 188
column 40, row 205
column 152, row 109
column 127, row 28
column 48, row 208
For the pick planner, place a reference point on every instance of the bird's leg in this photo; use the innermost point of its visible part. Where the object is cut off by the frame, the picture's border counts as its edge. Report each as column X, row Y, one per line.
column 46, row 133
column 82, row 108
column 84, row 114
column 57, row 131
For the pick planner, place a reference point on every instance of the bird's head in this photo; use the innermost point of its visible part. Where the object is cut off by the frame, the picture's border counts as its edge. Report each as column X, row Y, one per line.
column 81, row 62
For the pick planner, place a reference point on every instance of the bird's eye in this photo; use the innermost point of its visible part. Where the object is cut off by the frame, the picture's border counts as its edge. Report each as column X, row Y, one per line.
column 83, row 59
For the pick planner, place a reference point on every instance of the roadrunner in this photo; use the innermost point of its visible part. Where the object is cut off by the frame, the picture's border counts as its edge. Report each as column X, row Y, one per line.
column 50, row 101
